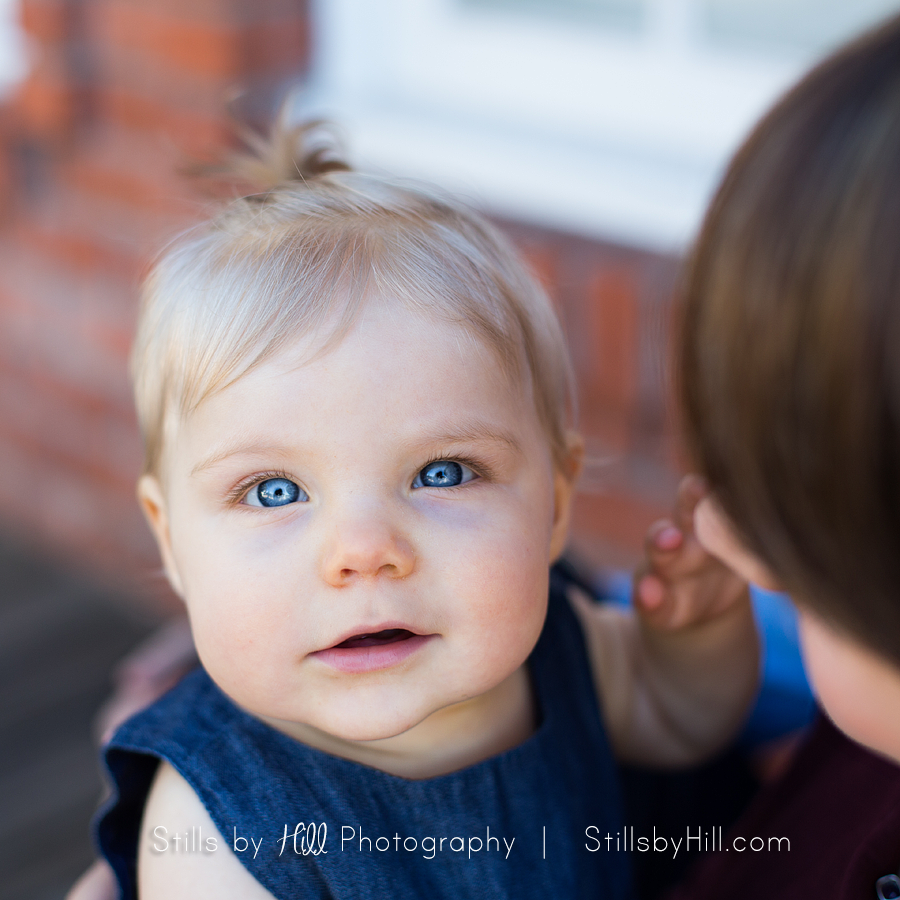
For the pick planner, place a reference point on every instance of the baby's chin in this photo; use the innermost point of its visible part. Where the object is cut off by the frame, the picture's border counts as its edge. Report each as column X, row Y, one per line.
column 365, row 727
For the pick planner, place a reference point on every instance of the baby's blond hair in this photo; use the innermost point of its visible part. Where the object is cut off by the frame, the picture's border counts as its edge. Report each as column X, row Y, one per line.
column 304, row 257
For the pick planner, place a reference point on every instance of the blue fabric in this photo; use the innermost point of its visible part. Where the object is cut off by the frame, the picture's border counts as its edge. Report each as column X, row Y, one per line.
column 785, row 702
column 254, row 781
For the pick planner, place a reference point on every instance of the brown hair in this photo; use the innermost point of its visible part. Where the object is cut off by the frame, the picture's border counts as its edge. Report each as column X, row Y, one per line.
column 790, row 342
column 304, row 256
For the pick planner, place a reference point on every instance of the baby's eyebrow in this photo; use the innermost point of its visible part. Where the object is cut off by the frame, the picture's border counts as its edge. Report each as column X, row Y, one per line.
column 473, row 435
column 245, row 449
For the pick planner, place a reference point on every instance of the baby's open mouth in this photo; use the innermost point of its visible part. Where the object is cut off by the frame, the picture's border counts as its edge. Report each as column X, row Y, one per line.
column 388, row 636
column 369, row 651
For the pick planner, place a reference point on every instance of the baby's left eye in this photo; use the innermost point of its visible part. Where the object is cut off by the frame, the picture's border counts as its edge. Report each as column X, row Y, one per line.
column 275, row 492
column 443, row 473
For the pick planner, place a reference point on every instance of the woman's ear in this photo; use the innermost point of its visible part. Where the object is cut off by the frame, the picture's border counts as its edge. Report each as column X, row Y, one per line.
column 564, row 482
column 720, row 538
column 152, row 501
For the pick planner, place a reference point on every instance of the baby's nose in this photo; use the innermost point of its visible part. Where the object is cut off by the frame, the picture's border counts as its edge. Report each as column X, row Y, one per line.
column 365, row 546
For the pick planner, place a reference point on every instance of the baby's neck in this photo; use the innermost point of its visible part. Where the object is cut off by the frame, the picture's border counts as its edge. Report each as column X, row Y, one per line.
column 449, row 739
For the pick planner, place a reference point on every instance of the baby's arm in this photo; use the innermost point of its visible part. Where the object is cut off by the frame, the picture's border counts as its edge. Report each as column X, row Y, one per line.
column 171, row 875
column 676, row 677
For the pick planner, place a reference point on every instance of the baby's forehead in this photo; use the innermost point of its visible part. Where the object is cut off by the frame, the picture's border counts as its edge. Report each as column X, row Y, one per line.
column 387, row 384
column 382, row 324
column 206, row 327
column 397, row 348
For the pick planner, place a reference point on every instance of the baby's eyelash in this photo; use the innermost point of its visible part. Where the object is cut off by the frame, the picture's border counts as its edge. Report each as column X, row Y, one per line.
column 478, row 466
column 240, row 490
column 481, row 468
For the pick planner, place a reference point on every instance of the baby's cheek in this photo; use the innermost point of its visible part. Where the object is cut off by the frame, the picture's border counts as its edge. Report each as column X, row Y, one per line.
column 510, row 564
column 233, row 632
column 505, row 618
column 252, row 666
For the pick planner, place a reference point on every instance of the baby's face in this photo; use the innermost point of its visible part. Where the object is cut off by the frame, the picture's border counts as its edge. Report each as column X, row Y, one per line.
column 363, row 539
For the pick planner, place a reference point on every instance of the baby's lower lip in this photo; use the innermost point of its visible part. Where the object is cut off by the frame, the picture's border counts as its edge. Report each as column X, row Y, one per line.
column 368, row 653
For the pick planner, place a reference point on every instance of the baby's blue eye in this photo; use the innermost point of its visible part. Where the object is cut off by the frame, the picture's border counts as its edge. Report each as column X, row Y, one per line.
column 443, row 473
column 275, row 492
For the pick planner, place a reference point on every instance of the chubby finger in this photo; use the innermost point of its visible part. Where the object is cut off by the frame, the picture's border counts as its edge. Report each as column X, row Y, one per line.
column 663, row 536
column 656, row 603
column 649, row 593
column 691, row 490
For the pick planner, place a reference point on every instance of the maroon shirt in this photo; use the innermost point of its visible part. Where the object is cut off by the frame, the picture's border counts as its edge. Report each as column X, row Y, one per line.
column 839, row 806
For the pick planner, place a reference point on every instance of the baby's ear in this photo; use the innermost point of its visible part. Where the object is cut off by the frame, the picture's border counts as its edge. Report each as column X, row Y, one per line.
column 575, row 455
column 563, row 491
column 153, row 503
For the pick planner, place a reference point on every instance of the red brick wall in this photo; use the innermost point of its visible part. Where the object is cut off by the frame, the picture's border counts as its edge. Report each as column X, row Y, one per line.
column 120, row 95
column 616, row 307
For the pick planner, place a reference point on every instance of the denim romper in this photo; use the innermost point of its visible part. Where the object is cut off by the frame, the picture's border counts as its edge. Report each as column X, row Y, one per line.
column 512, row 826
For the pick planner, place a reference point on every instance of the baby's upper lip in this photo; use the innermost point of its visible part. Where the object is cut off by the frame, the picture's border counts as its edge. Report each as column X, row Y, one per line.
column 366, row 630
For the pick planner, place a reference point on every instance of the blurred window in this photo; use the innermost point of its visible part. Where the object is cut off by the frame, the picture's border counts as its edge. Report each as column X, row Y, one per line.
column 763, row 25
column 624, row 14
column 755, row 25
column 12, row 47
column 612, row 118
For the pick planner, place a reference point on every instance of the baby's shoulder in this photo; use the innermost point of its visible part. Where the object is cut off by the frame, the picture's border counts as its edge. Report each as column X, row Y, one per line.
column 181, row 853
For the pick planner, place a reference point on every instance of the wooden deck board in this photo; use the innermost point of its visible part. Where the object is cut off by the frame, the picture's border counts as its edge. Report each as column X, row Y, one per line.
column 59, row 638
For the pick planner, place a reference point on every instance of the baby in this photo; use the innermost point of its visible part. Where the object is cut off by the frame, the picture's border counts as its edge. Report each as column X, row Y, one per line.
column 359, row 468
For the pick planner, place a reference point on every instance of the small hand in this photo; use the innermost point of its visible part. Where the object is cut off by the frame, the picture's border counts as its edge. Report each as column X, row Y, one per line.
column 679, row 583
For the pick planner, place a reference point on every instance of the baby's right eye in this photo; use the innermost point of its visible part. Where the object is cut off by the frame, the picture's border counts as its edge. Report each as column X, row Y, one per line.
column 275, row 492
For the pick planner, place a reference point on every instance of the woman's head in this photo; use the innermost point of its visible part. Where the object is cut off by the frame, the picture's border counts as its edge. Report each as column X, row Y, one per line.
column 304, row 258
column 790, row 370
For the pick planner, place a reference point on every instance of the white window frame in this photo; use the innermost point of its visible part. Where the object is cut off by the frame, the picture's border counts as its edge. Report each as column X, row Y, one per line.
column 13, row 55
column 607, row 133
